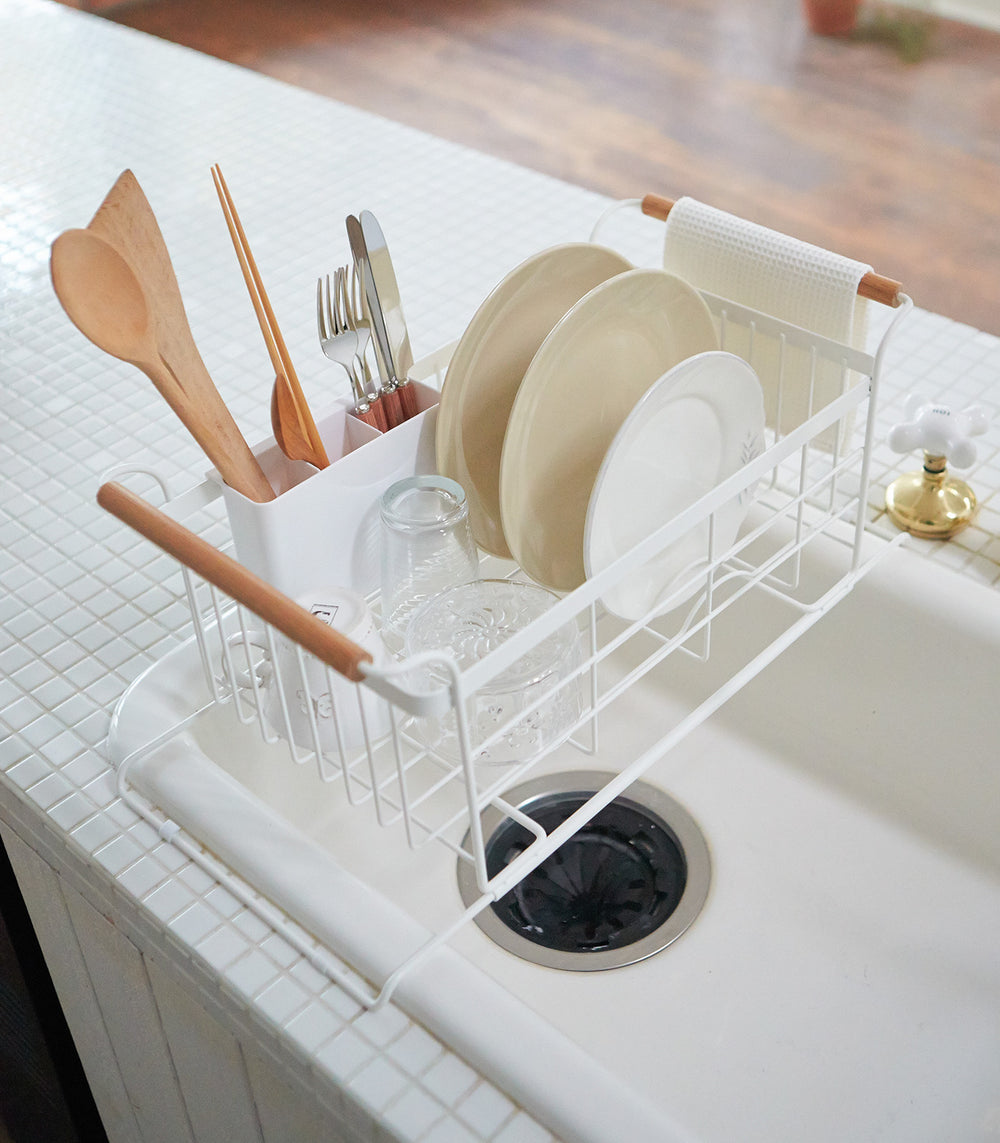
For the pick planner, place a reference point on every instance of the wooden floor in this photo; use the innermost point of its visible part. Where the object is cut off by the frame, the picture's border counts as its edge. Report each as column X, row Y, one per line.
column 838, row 142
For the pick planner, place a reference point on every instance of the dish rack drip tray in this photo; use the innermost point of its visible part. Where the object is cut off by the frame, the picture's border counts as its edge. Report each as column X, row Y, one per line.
column 394, row 796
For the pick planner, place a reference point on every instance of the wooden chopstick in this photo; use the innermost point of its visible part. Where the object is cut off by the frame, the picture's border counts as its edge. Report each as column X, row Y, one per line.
column 276, row 348
column 872, row 286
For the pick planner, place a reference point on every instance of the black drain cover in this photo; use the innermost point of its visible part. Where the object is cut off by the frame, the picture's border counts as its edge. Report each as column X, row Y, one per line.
column 612, row 884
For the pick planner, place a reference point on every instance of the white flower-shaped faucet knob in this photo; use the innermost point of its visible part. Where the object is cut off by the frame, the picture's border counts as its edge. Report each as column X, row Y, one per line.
column 939, row 431
column 931, row 503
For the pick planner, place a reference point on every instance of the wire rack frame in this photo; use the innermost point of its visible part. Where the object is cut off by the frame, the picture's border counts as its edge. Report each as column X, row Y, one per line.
column 810, row 481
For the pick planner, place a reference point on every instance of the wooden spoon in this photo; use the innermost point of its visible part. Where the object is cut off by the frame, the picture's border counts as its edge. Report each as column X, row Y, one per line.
column 105, row 300
column 126, row 220
column 290, row 431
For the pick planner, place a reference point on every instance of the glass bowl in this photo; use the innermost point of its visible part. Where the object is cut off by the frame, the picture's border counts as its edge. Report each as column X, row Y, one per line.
column 530, row 706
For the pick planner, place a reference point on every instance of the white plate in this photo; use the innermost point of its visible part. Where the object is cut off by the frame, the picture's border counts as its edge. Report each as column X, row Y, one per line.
column 582, row 383
column 700, row 423
column 490, row 361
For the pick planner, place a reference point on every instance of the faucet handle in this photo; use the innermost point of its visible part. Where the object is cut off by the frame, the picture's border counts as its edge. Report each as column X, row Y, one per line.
column 939, row 431
column 930, row 503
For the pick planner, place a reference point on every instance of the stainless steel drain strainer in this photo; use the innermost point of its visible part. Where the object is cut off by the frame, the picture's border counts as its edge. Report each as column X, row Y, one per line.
column 621, row 889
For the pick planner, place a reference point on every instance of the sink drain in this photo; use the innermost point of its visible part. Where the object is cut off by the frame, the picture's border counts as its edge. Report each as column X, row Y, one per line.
column 621, row 889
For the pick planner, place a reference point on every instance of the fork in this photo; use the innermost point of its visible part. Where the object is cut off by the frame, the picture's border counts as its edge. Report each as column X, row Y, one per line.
column 353, row 312
column 357, row 317
column 351, row 303
column 341, row 344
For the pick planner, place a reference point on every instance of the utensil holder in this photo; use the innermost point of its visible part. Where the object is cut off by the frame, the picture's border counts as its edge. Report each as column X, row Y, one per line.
column 323, row 527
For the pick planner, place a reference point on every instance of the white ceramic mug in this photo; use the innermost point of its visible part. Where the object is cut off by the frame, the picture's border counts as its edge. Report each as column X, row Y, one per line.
column 299, row 692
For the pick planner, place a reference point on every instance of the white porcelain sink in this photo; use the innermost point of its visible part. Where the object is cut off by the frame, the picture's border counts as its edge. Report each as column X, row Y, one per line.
column 843, row 979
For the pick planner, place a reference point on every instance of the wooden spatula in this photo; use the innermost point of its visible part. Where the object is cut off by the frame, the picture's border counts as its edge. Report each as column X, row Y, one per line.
column 125, row 220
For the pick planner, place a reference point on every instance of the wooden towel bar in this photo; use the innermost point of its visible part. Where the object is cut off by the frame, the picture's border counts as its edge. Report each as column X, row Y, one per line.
column 873, row 286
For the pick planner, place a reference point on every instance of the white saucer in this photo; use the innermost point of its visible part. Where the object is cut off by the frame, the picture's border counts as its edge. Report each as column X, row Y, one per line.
column 700, row 423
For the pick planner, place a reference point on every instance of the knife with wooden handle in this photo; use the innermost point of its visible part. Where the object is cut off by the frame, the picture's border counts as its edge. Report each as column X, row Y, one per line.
column 392, row 341
column 387, row 289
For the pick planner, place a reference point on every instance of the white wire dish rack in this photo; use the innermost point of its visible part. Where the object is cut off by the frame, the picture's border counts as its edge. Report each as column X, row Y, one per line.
column 809, row 488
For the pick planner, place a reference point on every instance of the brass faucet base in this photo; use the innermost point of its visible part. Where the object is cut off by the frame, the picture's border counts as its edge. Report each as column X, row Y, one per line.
column 930, row 503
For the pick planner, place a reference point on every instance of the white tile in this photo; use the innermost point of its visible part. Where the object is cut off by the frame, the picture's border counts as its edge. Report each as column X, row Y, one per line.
column 346, row 1054
column 94, row 832
column 250, row 925
column 412, row 1114
column 22, row 713
column 449, row 1079
column 282, row 952
column 383, row 1026
column 378, row 1083
column 50, row 790
column 313, row 1026
column 142, row 876
column 450, row 1131
column 71, row 811
column 198, row 879
column 523, row 1129
column 84, row 768
column 168, row 899
column 415, row 1050
column 341, row 1002
column 311, row 979
column 221, row 948
column 485, row 1109
column 222, row 901
column 282, row 999
column 13, row 749
column 252, row 973
column 194, row 923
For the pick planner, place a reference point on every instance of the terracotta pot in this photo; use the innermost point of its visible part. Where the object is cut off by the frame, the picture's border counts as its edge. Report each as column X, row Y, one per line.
column 831, row 17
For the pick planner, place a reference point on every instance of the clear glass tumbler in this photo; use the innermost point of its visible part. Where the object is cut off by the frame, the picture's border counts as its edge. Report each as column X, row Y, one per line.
column 427, row 546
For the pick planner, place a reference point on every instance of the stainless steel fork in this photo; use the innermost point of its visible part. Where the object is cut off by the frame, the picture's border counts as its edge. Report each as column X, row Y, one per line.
column 359, row 317
column 341, row 344
column 353, row 311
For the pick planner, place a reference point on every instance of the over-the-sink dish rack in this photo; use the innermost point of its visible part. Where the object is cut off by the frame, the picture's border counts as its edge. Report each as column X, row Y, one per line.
column 807, row 491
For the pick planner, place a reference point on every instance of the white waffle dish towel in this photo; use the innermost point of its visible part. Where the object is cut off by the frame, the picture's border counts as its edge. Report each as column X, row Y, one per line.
column 778, row 275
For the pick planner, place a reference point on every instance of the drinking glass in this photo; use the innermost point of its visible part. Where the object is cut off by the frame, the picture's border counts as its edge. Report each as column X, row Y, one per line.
column 427, row 546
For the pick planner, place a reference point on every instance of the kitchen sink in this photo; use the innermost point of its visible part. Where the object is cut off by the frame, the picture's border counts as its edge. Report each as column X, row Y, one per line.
column 842, row 978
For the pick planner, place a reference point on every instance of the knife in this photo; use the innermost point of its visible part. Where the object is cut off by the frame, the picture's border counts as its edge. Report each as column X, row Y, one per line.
column 388, row 294
column 383, row 354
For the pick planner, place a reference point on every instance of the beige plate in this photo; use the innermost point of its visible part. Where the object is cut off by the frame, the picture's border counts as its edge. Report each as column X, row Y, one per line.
column 489, row 362
column 581, row 385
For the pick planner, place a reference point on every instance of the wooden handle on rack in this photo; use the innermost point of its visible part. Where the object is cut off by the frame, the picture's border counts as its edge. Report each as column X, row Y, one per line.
column 873, row 286
column 223, row 572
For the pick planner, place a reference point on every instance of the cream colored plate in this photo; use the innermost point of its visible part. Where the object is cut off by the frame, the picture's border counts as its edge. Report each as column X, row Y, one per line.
column 581, row 385
column 489, row 363
column 699, row 424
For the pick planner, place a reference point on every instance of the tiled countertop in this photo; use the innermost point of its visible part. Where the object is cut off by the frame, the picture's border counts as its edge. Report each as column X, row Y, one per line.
column 86, row 607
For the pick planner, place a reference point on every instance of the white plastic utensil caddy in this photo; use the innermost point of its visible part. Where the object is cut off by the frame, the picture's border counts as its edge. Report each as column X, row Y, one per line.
column 809, row 491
